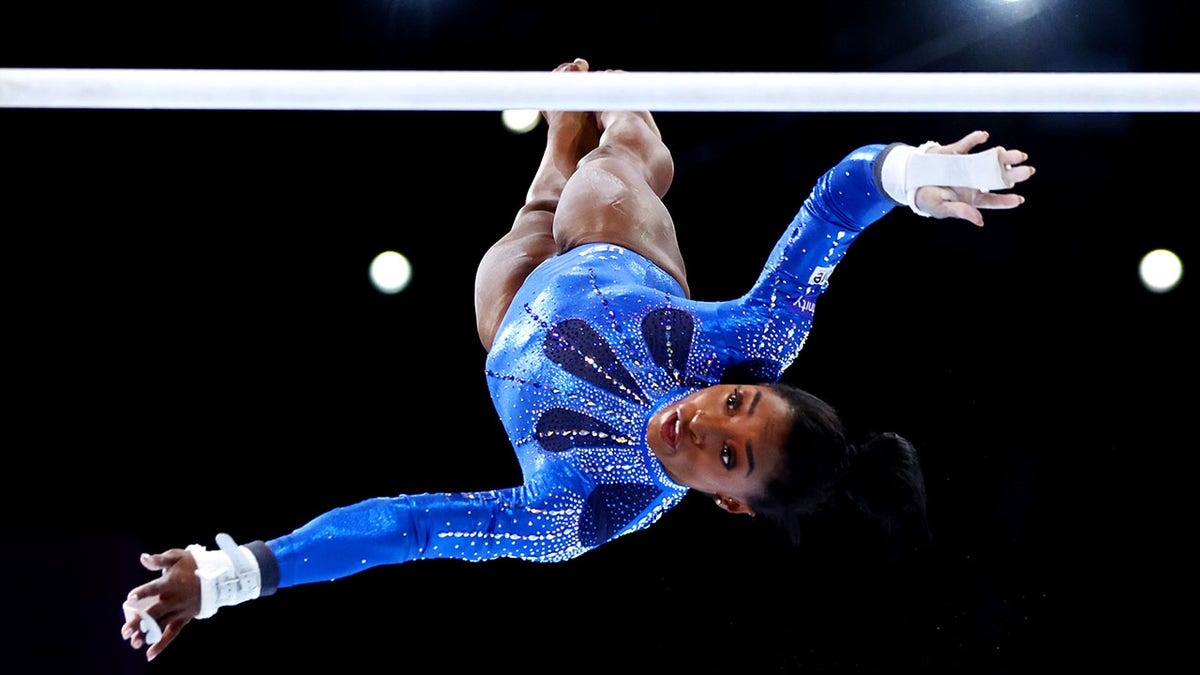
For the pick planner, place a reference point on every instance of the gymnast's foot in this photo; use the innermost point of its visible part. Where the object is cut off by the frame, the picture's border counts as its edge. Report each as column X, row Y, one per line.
column 574, row 133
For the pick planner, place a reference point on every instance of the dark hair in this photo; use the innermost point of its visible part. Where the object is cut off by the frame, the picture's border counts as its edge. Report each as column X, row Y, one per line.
column 873, row 490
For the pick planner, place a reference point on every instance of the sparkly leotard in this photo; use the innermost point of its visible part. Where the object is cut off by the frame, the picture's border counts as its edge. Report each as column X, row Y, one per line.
column 597, row 340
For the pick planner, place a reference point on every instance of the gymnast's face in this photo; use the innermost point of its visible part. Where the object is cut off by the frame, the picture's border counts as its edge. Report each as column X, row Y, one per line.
column 725, row 440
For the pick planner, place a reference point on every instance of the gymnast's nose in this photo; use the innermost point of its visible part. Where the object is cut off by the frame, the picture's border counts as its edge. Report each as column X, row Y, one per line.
column 699, row 428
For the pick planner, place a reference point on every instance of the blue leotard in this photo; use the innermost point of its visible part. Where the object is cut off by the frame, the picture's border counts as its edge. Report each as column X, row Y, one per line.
column 596, row 341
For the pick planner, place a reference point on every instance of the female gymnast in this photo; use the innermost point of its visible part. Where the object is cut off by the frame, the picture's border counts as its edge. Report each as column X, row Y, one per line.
column 619, row 392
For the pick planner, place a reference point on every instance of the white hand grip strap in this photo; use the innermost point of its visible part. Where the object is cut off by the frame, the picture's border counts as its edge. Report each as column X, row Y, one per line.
column 151, row 631
column 906, row 169
column 228, row 576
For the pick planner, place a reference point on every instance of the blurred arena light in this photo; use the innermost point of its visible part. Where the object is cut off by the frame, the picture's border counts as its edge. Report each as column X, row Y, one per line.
column 1160, row 270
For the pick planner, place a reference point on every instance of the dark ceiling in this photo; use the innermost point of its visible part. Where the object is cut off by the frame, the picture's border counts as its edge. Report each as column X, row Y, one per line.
column 195, row 347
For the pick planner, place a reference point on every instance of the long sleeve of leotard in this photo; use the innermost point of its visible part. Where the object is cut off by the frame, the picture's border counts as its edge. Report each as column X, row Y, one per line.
column 843, row 202
column 524, row 522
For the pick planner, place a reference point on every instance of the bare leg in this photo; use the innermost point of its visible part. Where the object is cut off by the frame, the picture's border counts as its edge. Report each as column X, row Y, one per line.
column 615, row 194
column 530, row 241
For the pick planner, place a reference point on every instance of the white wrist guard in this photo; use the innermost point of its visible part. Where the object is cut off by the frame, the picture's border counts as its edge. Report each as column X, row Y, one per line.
column 228, row 576
column 905, row 169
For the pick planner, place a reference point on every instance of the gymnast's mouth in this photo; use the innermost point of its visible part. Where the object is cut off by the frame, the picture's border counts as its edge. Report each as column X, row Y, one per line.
column 670, row 429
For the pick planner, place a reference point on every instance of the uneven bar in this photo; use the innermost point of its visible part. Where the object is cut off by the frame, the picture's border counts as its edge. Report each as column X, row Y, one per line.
column 202, row 89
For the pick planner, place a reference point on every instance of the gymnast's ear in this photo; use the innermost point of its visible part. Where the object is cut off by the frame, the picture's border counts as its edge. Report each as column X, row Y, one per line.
column 733, row 505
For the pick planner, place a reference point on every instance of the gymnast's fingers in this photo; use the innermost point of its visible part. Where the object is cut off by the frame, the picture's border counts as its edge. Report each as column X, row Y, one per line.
column 994, row 200
column 963, row 145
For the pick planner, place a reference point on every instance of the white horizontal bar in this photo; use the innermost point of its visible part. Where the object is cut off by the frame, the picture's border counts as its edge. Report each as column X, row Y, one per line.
column 658, row 91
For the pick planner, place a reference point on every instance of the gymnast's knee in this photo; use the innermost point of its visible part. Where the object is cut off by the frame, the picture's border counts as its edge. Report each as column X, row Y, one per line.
column 630, row 138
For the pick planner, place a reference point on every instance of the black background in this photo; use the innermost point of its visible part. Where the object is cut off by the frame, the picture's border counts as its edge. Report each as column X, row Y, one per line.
column 194, row 346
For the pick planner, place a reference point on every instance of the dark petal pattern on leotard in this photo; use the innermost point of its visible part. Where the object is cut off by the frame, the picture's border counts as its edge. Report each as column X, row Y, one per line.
column 559, row 430
column 610, row 508
column 668, row 334
column 583, row 352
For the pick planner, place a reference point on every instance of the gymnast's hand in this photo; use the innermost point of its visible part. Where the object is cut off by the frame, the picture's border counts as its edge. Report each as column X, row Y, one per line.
column 178, row 591
column 965, row 203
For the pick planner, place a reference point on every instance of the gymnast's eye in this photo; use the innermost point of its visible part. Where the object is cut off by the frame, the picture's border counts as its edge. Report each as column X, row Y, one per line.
column 734, row 399
column 727, row 456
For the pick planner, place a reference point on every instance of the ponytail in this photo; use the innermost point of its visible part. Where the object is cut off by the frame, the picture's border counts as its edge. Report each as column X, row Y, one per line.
column 883, row 488
column 873, row 490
